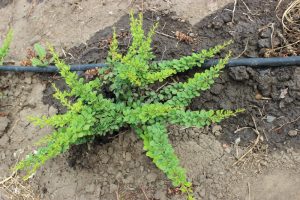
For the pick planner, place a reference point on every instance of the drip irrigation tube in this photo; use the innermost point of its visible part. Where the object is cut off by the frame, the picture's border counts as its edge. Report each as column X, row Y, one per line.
column 251, row 62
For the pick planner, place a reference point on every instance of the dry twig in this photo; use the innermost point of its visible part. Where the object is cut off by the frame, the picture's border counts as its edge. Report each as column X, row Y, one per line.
column 144, row 193
column 164, row 34
column 14, row 188
column 233, row 10
column 290, row 122
column 252, row 146
column 288, row 14
column 249, row 191
column 245, row 49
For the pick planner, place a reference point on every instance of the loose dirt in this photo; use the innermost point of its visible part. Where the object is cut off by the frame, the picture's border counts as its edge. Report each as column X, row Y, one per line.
column 117, row 168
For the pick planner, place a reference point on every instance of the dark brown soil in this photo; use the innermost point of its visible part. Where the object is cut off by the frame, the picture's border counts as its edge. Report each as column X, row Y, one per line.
column 237, row 87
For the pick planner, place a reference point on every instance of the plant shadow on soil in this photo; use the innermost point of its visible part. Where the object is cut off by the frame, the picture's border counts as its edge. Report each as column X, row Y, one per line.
column 236, row 88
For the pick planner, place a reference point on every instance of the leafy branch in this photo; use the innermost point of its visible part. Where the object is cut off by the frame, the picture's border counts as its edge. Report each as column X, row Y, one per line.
column 134, row 104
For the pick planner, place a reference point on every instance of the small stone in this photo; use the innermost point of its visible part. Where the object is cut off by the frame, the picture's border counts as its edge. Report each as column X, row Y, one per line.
column 237, row 141
column 110, row 151
column 128, row 156
column 293, row 133
column 270, row 118
column 113, row 188
column 105, row 159
column 111, row 170
column 192, row 34
column 151, row 177
column 264, row 163
column 90, row 188
column 227, row 150
column 258, row 96
column 216, row 130
column 202, row 193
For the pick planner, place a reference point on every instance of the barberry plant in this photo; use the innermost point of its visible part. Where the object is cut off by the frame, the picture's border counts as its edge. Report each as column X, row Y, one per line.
column 40, row 59
column 135, row 103
column 5, row 46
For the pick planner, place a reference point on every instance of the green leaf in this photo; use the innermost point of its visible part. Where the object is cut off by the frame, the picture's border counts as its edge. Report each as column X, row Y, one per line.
column 40, row 50
column 37, row 62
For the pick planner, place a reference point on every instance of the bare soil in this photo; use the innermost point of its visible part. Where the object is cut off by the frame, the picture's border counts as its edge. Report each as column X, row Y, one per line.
column 116, row 167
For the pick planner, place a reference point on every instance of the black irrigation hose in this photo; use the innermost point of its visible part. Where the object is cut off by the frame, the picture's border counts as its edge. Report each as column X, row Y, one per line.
column 251, row 62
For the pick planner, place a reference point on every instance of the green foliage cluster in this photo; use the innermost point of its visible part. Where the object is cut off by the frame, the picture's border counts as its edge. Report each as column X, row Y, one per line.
column 135, row 104
column 40, row 60
column 5, row 46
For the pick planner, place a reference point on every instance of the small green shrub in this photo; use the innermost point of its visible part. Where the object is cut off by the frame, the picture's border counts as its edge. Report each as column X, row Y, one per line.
column 41, row 59
column 136, row 104
column 5, row 46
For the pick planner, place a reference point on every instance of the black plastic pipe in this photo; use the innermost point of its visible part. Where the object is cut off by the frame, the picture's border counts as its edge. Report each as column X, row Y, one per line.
column 251, row 62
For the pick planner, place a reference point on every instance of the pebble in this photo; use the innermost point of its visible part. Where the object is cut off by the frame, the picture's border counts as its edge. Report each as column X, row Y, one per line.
column 258, row 96
column 105, row 159
column 202, row 193
column 216, row 130
column 293, row 133
column 110, row 170
column 110, row 151
column 270, row 118
column 151, row 177
column 128, row 156
column 90, row 188
column 227, row 150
